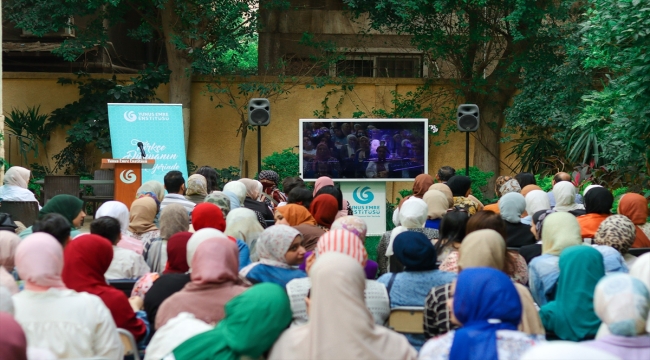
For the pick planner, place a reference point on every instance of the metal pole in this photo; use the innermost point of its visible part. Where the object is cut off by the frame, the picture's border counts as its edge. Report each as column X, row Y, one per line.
column 259, row 149
column 467, row 153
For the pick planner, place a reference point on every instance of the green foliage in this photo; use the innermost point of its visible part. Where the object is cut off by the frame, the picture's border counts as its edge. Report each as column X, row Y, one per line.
column 227, row 175
column 371, row 246
column 191, row 167
column 618, row 193
column 88, row 116
column 285, row 163
column 545, row 182
column 537, row 155
column 31, row 129
column 479, row 180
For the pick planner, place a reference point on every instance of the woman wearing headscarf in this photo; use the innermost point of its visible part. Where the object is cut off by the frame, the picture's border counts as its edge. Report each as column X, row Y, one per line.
column 279, row 250
column 119, row 211
column 526, row 179
column 410, row 287
column 15, row 185
column 452, row 232
column 253, row 322
column 254, row 198
column 344, row 242
column 141, row 223
column 214, row 282
column 13, row 343
column 197, row 188
column 598, row 205
column 481, row 248
column 208, row 215
column 445, row 190
column 70, row 324
column 86, row 260
column 536, row 200
column 359, row 228
column 270, row 180
column 622, row 304
column 70, row 207
column 324, row 209
column 8, row 244
column 340, row 325
column 503, row 186
column 236, row 192
column 300, row 219
column 570, row 316
column 421, row 185
column 153, row 189
column 511, row 207
column 618, row 232
column 413, row 216
column 461, row 186
column 344, row 206
column 177, row 253
column 221, row 200
column 564, row 194
column 566, row 350
column 437, row 205
column 488, row 309
column 173, row 219
column 635, row 207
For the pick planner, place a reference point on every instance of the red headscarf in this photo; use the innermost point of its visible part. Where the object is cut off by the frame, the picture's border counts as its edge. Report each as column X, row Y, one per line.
column 177, row 253
column 13, row 343
column 86, row 259
column 324, row 209
column 635, row 207
column 208, row 215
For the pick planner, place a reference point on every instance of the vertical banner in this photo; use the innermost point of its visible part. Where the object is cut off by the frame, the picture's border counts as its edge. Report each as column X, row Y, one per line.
column 368, row 201
column 159, row 127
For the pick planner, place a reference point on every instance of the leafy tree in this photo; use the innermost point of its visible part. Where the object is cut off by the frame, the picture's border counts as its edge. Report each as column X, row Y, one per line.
column 485, row 44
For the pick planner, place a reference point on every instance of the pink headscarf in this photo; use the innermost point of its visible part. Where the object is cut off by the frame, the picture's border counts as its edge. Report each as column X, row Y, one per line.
column 326, row 181
column 215, row 261
column 39, row 260
column 8, row 243
column 344, row 242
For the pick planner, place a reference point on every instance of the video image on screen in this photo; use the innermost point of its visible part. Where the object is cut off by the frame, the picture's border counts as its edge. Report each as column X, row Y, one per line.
column 359, row 149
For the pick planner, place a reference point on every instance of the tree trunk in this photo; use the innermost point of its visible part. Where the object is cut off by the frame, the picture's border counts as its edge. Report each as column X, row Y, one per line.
column 487, row 148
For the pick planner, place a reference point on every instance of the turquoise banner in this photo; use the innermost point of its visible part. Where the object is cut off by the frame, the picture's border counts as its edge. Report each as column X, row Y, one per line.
column 160, row 129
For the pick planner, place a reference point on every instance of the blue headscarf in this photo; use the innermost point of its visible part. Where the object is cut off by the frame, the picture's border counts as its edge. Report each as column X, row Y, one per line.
column 234, row 201
column 485, row 301
column 415, row 251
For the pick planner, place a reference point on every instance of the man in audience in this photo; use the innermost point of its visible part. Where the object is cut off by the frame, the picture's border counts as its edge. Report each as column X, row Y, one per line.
column 175, row 186
column 55, row 225
column 561, row 176
column 445, row 173
column 126, row 264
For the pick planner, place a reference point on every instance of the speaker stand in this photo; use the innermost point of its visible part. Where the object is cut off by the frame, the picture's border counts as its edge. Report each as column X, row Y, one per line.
column 259, row 150
column 467, row 154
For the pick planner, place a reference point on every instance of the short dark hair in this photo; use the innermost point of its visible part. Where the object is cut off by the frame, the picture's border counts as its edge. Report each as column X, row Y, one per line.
column 487, row 219
column 291, row 182
column 525, row 179
column 452, row 228
column 173, row 181
column 446, row 172
column 300, row 195
column 107, row 227
column 55, row 225
column 211, row 176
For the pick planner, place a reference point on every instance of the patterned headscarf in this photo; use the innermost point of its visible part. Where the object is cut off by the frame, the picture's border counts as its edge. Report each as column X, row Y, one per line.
column 501, row 180
column 622, row 303
column 352, row 224
column 197, row 185
column 269, row 175
column 173, row 219
column 151, row 188
column 273, row 244
column 616, row 231
column 509, row 186
column 344, row 242
column 221, row 200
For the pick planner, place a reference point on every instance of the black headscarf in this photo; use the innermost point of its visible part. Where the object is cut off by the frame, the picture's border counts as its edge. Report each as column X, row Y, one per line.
column 415, row 251
column 459, row 185
column 599, row 200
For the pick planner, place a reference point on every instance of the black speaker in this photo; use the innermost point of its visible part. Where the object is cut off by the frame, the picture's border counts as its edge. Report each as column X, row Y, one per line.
column 259, row 112
column 468, row 118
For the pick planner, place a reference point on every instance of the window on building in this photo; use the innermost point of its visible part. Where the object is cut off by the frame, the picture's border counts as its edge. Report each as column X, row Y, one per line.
column 359, row 68
column 390, row 66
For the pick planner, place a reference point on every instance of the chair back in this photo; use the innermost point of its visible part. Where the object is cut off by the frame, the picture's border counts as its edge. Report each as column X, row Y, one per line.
column 634, row 251
column 128, row 341
column 407, row 319
column 60, row 184
column 24, row 211
column 124, row 285
column 103, row 190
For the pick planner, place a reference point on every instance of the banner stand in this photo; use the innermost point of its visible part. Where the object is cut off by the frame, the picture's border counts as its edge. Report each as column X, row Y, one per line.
column 368, row 202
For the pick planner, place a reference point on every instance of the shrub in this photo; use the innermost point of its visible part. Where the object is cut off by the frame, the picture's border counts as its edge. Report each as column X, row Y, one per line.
column 285, row 163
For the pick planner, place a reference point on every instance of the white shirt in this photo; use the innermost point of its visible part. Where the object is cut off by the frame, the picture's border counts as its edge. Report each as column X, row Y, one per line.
column 126, row 264
column 175, row 332
column 69, row 324
column 178, row 199
column 16, row 193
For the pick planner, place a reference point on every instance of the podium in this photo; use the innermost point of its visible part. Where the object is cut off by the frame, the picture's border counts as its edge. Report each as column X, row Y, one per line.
column 127, row 177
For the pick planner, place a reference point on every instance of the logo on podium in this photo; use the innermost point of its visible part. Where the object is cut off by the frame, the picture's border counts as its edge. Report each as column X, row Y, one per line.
column 363, row 197
column 128, row 176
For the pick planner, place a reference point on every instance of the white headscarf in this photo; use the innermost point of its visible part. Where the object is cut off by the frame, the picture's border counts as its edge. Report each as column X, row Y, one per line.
column 117, row 210
column 17, row 176
column 566, row 350
column 237, row 188
column 412, row 215
column 340, row 325
column 511, row 206
column 641, row 270
column 565, row 194
column 622, row 303
column 243, row 224
column 197, row 238
column 537, row 200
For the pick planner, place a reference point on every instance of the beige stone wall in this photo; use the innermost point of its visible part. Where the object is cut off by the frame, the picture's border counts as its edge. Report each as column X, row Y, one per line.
column 213, row 138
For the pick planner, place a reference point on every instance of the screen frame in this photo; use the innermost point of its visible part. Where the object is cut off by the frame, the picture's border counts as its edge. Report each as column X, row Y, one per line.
column 425, row 127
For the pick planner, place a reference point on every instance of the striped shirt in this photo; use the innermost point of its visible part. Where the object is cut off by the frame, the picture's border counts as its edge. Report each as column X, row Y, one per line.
column 178, row 199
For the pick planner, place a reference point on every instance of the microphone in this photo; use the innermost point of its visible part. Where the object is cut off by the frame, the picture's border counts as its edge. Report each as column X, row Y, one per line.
column 141, row 146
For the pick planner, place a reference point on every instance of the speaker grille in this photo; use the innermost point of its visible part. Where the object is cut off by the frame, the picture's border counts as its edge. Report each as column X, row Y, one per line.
column 468, row 122
column 259, row 116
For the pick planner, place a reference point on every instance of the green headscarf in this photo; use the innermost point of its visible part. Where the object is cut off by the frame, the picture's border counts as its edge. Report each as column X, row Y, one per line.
column 67, row 205
column 253, row 321
column 571, row 315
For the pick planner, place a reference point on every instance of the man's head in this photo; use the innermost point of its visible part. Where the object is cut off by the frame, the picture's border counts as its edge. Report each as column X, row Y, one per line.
column 174, row 182
column 107, row 227
column 561, row 176
column 382, row 153
column 55, row 225
column 291, row 182
column 445, row 173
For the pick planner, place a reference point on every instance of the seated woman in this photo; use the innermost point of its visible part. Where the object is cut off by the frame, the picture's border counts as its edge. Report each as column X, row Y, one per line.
column 504, row 185
column 270, row 180
column 438, row 205
column 142, row 225
column 410, row 287
column 622, row 304
column 85, row 262
column 70, row 324
column 119, row 211
column 571, row 315
column 421, row 185
column 214, row 282
column 358, row 227
column 340, row 325
column 254, row 198
column 511, row 207
column 461, row 188
column 300, row 219
column 279, row 250
column 598, row 206
column 173, row 219
column 243, row 225
column 536, row 200
column 453, row 229
column 206, row 215
column 253, row 322
column 413, row 216
column 487, row 308
column 126, row 264
column 618, row 232
column 564, row 194
column 324, row 209
column 220, row 199
column 15, row 185
column 345, row 242
column 70, row 207
column 236, row 192
column 635, row 207
column 197, row 188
